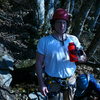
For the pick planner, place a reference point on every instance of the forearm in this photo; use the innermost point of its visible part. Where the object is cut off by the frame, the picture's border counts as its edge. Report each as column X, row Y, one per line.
column 39, row 73
column 39, row 63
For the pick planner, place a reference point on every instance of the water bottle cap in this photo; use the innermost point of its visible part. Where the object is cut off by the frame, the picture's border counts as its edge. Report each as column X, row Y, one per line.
column 71, row 43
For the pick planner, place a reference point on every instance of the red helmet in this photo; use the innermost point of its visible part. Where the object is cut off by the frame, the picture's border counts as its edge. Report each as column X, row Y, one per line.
column 60, row 14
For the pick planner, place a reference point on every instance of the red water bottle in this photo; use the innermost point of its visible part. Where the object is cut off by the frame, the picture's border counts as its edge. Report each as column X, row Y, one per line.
column 72, row 52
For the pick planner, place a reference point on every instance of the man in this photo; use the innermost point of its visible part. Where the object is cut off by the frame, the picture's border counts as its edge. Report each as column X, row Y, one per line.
column 86, row 86
column 53, row 53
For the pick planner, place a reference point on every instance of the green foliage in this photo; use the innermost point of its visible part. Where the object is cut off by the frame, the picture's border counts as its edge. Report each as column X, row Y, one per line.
column 25, row 63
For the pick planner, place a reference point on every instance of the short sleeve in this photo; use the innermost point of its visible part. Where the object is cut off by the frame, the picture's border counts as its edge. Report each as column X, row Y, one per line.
column 77, row 43
column 41, row 46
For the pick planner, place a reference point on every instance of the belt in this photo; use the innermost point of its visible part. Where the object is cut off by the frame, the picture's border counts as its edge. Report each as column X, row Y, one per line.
column 67, row 78
column 57, row 79
column 61, row 83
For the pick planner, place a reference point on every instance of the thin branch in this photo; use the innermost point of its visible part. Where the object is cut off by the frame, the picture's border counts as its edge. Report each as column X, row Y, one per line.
column 95, row 42
column 82, row 26
column 96, row 59
column 68, row 5
column 92, row 54
column 72, row 7
column 96, row 20
column 93, row 23
column 89, row 63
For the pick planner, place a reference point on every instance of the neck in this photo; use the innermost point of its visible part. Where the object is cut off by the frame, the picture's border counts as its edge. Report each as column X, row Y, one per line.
column 60, row 37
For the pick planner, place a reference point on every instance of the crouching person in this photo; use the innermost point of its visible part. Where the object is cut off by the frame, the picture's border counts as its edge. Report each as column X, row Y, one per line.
column 86, row 87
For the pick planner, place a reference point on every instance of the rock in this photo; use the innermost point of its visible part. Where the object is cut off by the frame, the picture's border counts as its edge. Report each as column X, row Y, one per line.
column 33, row 96
column 8, row 61
column 5, row 94
column 5, row 79
column 2, row 50
column 37, row 96
column 5, row 66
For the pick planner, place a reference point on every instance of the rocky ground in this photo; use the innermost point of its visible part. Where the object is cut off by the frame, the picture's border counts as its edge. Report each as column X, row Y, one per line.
column 25, row 91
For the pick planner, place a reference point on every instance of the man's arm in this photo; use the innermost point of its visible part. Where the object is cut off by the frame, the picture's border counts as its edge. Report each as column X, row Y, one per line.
column 39, row 63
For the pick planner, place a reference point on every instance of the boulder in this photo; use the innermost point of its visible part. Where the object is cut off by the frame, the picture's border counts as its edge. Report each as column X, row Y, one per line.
column 6, row 64
column 37, row 96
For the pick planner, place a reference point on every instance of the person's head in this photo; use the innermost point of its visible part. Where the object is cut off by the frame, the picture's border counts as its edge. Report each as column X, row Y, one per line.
column 60, row 20
column 82, row 83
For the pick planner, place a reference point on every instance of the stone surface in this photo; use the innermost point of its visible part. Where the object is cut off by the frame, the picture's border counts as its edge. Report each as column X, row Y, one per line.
column 6, row 64
column 36, row 96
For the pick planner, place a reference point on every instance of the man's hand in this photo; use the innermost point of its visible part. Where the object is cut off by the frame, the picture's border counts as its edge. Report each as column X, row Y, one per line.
column 43, row 89
column 82, row 58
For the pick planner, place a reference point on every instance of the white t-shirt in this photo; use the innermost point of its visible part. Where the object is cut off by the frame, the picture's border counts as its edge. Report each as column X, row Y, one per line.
column 57, row 63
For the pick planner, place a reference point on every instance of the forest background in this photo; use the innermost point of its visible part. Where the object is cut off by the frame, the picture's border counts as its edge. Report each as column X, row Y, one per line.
column 24, row 22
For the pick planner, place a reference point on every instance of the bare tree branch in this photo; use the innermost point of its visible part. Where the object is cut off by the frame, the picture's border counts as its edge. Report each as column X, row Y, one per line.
column 96, row 59
column 92, row 64
column 94, row 43
column 70, row 5
column 81, row 16
column 93, row 23
column 83, row 22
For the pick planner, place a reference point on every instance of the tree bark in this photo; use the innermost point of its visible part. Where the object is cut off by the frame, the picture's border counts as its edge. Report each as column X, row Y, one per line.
column 84, row 20
column 80, row 17
column 70, row 5
column 93, row 23
column 49, row 9
column 95, row 42
column 40, row 12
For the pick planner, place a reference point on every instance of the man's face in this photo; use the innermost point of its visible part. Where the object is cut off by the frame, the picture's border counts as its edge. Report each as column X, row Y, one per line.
column 60, row 26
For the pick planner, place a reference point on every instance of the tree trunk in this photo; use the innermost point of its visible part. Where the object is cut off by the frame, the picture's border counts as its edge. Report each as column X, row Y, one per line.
column 80, row 17
column 40, row 12
column 95, row 42
column 49, row 9
column 84, row 20
column 93, row 23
